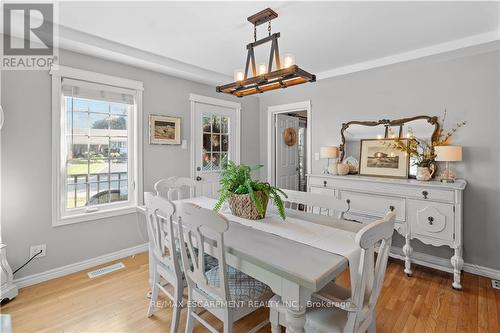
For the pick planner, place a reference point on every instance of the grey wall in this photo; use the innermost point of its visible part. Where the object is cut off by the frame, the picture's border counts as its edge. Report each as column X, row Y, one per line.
column 465, row 82
column 26, row 162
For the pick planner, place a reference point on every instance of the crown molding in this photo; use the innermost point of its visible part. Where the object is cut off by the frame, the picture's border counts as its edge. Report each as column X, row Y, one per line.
column 412, row 55
column 80, row 42
column 77, row 41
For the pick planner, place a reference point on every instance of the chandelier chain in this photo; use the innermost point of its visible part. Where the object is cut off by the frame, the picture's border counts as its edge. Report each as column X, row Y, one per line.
column 255, row 32
column 269, row 28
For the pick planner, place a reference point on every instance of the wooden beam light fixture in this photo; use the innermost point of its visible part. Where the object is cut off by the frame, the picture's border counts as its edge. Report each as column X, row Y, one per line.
column 265, row 79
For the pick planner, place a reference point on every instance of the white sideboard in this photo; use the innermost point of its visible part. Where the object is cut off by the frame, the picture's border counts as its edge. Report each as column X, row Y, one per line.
column 429, row 211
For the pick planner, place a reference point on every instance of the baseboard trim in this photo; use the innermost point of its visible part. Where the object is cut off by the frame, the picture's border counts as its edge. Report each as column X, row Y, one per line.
column 78, row 266
column 444, row 264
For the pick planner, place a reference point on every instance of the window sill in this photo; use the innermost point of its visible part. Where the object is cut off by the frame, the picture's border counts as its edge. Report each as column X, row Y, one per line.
column 85, row 217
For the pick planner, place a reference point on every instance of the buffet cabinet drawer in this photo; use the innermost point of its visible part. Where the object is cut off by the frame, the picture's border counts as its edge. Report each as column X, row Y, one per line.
column 374, row 205
column 321, row 182
column 432, row 194
column 431, row 219
column 323, row 190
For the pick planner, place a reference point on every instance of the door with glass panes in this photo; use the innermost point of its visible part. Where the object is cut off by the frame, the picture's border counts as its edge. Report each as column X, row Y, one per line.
column 216, row 140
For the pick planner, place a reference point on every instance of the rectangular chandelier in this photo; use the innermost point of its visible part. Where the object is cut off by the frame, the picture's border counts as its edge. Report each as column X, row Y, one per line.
column 264, row 78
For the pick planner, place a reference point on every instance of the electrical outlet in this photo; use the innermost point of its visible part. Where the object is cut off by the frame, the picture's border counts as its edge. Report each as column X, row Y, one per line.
column 495, row 284
column 36, row 248
column 316, row 156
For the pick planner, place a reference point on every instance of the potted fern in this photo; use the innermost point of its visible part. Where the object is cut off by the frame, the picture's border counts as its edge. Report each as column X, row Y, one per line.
column 247, row 198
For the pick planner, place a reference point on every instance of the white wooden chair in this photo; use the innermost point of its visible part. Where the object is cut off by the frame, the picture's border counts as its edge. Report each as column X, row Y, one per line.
column 223, row 291
column 164, row 256
column 316, row 203
column 175, row 188
column 358, row 314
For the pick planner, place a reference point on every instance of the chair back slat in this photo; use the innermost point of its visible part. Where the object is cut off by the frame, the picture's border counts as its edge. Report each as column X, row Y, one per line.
column 315, row 203
column 369, row 284
column 159, row 212
column 200, row 228
column 175, row 188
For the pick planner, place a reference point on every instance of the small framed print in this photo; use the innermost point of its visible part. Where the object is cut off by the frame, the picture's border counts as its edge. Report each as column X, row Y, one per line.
column 164, row 130
column 379, row 158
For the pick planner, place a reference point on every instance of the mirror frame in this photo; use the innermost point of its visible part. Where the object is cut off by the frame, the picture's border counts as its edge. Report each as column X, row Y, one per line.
column 433, row 120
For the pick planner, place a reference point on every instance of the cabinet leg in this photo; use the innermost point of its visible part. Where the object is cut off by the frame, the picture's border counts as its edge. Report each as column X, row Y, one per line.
column 407, row 250
column 457, row 262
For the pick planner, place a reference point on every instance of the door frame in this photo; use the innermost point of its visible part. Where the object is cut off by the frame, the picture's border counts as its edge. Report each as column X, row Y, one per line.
column 272, row 111
column 193, row 99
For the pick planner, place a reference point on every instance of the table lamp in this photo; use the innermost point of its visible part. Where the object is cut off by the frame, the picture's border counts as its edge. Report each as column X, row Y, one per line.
column 448, row 154
column 328, row 153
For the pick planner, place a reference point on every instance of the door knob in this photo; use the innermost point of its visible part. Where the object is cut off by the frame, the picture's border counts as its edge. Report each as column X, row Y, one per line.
column 198, row 178
column 431, row 220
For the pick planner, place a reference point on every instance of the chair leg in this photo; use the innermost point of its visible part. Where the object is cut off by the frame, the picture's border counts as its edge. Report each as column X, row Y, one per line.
column 154, row 294
column 228, row 322
column 190, row 321
column 275, row 321
column 176, row 311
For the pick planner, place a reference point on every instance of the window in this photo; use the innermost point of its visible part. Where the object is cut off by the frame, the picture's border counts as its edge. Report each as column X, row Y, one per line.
column 97, row 149
column 215, row 142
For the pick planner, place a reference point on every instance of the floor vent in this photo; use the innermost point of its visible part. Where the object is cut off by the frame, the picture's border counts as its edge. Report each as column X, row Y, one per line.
column 495, row 284
column 105, row 270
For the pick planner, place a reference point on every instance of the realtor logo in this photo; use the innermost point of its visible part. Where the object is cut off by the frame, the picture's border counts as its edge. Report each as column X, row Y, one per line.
column 28, row 36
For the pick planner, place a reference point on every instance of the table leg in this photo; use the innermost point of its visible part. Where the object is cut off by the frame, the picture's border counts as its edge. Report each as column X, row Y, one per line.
column 296, row 320
column 295, row 299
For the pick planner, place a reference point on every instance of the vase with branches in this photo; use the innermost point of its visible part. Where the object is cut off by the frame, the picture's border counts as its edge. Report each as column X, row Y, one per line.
column 422, row 150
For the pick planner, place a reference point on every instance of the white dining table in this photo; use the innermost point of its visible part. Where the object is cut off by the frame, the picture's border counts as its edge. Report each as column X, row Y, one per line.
column 293, row 270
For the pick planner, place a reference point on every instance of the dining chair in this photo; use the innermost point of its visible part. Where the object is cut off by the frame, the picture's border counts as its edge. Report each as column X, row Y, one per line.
column 316, row 203
column 358, row 313
column 224, row 291
column 165, row 258
column 175, row 188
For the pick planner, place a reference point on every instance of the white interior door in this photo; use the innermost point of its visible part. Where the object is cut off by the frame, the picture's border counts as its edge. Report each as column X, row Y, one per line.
column 287, row 157
column 216, row 139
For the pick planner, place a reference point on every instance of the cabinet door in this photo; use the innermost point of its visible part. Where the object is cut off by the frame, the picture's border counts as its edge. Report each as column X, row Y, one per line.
column 431, row 219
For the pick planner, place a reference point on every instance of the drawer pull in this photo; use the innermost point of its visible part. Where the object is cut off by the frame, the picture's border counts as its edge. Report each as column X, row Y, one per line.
column 324, row 183
column 425, row 194
column 431, row 220
column 391, row 208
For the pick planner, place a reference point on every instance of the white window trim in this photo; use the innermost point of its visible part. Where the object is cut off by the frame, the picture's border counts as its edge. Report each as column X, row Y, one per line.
column 78, row 74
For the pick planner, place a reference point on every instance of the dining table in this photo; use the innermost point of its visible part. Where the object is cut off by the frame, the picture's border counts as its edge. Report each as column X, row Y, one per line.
column 292, row 269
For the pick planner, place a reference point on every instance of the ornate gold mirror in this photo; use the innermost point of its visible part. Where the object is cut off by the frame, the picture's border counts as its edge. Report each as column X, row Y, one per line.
column 352, row 132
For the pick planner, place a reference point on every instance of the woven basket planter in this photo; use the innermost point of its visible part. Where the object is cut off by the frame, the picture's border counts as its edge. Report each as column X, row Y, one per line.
column 242, row 205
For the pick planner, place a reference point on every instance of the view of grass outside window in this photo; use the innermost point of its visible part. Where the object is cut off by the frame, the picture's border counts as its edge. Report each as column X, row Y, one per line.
column 97, row 152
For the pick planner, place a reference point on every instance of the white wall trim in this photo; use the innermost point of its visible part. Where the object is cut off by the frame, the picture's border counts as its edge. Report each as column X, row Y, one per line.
column 412, row 55
column 136, row 169
column 444, row 264
column 79, row 266
column 84, row 75
column 214, row 101
column 284, row 108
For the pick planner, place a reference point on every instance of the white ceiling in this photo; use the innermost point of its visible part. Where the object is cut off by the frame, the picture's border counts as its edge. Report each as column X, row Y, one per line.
column 323, row 35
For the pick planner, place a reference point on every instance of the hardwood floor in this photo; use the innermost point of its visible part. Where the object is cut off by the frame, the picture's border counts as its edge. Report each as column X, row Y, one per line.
column 116, row 303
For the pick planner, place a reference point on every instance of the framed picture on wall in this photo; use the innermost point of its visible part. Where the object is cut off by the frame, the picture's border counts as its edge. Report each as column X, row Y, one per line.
column 379, row 158
column 164, row 130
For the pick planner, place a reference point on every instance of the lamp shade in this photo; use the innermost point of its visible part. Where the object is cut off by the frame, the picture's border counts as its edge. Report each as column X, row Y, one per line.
column 328, row 152
column 448, row 153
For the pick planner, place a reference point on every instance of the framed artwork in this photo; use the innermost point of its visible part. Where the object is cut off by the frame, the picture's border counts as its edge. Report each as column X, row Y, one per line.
column 379, row 158
column 164, row 130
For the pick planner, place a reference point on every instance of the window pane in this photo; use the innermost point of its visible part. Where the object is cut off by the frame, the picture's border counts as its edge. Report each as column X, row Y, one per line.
column 207, row 142
column 207, row 123
column 207, row 162
column 225, row 143
column 118, row 123
column 225, row 125
column 215, row 142
column 216, row 124
column 99, row 124
column 216, row 161
column 97, row 152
